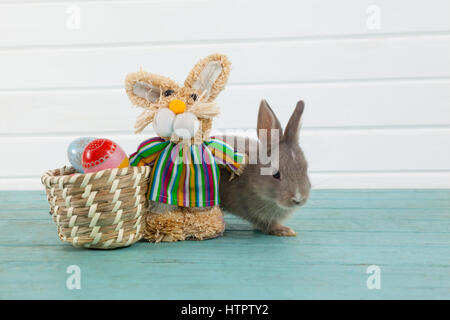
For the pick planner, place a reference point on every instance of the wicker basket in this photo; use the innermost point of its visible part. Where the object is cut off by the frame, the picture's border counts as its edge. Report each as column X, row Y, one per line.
column 102, row 210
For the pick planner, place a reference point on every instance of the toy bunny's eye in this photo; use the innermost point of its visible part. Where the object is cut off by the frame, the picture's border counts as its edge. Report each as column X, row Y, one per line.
column 194, row 96
column 168, row 92
column 276, row 175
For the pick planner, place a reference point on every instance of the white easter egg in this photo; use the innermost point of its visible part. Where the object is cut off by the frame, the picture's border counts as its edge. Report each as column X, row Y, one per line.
column 185, row 125
column 163, row 122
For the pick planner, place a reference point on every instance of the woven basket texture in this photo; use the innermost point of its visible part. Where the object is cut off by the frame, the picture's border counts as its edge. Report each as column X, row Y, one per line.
column 101, row 210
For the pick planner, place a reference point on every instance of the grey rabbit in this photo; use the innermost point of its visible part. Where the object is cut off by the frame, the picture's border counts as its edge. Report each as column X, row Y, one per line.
column 267, row 200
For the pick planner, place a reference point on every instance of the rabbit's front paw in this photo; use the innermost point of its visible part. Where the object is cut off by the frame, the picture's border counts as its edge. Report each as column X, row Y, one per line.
column 278, row 229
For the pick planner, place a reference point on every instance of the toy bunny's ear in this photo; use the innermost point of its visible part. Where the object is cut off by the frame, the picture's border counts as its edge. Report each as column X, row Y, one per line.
column 209, row 76
column 144, row 89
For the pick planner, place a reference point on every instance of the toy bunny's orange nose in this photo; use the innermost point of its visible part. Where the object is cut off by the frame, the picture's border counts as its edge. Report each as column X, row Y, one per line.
column 177, row 106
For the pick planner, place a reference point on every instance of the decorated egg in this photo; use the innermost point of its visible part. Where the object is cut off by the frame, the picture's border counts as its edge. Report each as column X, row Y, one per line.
column 75, row 152
column 101, row 154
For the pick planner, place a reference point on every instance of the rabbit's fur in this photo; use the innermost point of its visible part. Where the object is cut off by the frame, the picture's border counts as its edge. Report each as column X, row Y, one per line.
column 265, row 200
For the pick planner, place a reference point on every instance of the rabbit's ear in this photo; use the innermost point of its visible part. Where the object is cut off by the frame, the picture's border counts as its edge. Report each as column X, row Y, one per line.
column 144, row 89
column 293, row 126
column 268, row 123
column 209, row 76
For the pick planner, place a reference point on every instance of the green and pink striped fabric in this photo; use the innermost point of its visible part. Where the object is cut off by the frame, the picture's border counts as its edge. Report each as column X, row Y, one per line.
column 186, row 176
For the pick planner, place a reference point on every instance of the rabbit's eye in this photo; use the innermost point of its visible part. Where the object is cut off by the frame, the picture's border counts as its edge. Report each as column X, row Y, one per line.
column 194, row 96
column 168, row 92
column 276, row 175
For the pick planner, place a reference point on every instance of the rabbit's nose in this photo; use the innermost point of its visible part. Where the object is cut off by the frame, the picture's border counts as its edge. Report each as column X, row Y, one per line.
column 177, row 106
column 298, row 199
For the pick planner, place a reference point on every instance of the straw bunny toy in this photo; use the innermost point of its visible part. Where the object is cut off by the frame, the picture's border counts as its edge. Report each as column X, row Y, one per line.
column 183, row 193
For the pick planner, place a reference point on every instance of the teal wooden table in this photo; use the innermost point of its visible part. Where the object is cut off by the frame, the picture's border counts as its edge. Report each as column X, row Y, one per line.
column 406, row 234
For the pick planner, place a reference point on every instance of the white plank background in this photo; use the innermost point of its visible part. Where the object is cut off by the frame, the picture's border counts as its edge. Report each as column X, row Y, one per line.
column 377, row 100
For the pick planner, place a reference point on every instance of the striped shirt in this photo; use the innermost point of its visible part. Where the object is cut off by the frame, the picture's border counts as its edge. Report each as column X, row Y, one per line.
column 186, row 176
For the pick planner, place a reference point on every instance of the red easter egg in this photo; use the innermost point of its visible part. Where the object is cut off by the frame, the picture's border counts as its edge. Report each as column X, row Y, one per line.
column 101, row 154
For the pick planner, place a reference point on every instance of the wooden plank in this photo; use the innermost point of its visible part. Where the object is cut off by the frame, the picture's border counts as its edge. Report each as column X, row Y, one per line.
column 379, row 180
column 331, row 203
column 328, row 259
column 326, row 270
column 380, row 194
column 337, row 248
column 305, row 215
column 52, row 23
column 253, row 63
column 414, row 232
column 320, row 181
column 327, row 105
column 129, row 276
column 345, row 150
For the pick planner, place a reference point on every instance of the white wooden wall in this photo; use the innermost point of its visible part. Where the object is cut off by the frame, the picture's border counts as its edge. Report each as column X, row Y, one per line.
column 375, row 76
